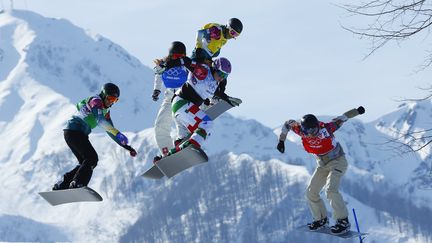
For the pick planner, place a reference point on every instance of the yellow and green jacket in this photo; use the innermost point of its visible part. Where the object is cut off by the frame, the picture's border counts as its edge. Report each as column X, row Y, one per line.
column 206, row 40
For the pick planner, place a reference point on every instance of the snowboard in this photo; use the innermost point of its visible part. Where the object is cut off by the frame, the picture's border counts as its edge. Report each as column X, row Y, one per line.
column 326, row 230
column 170, row 166
column 82, row 194
column 217, row 109
column 176, row 163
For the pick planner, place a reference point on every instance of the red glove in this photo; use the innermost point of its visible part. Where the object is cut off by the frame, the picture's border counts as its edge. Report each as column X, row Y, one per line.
column 133, row 153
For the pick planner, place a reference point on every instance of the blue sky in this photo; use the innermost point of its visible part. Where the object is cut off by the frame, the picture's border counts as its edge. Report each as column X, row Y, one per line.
column 293, row 57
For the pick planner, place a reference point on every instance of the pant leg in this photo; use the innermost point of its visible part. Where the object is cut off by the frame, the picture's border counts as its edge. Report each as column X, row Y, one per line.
column 182, row 131
column 163, row 123
column 193, row 120
column 68, row 176
column 80, row 143
column 180, row 119
column 316, row 183
column 337, row 169
column 204, row 124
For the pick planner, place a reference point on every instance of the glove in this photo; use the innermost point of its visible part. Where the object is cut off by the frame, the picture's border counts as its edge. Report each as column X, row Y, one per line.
column 281, row 146
column 132, row 151
column 122, row 138
column 159, row 69
column 361, row 110
column 207, row 102
column 234, row 101
column 155, row 95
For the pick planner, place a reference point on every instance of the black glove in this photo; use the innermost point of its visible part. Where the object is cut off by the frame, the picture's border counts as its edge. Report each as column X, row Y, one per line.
column 207, row 102
column 159, row 69
column 155, row 95
column 361, row 110
column 132, row 151
column 281, row 146
column 234, row 101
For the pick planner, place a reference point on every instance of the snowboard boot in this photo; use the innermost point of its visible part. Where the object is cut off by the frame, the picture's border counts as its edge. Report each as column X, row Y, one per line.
column 60, row 185
column 181, row 146
column 178, row 141
column 165, row 151
column 341, row 226
column 74, row 184
column 157, row 158
column 318, row 224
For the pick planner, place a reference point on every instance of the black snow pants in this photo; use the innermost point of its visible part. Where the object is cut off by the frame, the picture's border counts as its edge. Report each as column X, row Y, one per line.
column 87, row 157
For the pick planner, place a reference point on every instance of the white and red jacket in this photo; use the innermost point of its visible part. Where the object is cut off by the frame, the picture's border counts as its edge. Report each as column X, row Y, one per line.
column 323, row 144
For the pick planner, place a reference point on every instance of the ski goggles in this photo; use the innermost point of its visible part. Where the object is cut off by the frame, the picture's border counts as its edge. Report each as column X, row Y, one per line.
column 112, row 99
column 177, row 55
column 233, row 33
column 310, row 131
column 222, row 74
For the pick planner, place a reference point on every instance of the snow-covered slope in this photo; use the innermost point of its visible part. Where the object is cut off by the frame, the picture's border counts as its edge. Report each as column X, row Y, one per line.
column 248, row 192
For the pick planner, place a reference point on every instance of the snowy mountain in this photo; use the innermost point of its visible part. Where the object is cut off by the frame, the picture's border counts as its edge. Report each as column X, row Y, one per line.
column 248, row 192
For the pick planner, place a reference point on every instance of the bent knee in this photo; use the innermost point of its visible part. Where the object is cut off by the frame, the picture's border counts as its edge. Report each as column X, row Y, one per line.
column 332, row 194
column 311, row 194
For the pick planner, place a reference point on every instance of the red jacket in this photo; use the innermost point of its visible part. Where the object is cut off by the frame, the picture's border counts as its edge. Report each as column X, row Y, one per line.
column 321, row 144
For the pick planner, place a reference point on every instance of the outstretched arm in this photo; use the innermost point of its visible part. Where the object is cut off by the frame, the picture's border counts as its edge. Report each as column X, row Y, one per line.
column 340, row 120
column 107, row 118
column 287, row 126
column 220, row 93
column 105, row 123
column 120, row 139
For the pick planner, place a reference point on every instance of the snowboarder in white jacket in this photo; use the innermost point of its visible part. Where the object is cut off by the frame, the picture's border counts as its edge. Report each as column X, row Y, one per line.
column 169, row 80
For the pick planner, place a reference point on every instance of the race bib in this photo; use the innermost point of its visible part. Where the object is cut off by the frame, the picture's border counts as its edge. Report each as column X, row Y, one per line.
column 175, row 77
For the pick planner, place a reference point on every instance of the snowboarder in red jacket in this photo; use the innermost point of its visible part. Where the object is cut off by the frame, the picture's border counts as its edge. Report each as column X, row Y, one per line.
column 318, row 139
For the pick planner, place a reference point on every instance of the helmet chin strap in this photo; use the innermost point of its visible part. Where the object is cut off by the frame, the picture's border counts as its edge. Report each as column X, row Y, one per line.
column 104, row 101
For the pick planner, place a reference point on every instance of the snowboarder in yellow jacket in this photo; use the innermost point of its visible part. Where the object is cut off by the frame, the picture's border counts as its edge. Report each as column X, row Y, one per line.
column 212, row 37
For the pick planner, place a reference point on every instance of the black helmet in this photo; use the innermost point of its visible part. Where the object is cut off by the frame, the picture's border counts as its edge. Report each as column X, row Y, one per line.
column 309, row 124
column 110, row 89
column 177, row 47
column 235, row 24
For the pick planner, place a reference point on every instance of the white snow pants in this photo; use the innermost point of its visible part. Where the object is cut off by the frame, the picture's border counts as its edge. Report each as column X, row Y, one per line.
column 163, row 124
column 330, row 174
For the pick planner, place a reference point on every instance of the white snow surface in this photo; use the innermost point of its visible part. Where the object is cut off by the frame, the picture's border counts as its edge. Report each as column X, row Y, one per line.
column 248, row 192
